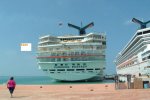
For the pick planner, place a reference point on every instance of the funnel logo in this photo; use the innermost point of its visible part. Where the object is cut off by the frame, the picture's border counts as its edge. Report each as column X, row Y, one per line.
column 25, row 46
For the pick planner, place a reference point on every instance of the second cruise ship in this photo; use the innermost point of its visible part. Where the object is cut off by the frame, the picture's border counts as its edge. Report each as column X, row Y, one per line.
column 134, row 59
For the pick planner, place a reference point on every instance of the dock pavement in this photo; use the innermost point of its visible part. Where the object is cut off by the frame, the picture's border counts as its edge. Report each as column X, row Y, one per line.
column 74, row 92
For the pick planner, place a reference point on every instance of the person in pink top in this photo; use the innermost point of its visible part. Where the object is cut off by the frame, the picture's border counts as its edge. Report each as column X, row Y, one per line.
column 11, row 84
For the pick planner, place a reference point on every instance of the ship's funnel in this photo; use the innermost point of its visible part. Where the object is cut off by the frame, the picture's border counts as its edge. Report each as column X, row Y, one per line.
column 81, row 29
column 142, row 24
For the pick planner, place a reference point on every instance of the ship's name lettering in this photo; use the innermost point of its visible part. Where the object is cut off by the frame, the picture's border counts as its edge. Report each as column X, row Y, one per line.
column 61, row 66
column 79, row 66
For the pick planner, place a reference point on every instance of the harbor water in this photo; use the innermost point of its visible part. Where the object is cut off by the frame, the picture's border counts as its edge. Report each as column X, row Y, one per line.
column 45, row 80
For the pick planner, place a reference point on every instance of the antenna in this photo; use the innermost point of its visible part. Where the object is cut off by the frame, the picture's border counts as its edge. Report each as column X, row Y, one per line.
column 142, row 23
column 81, row 29
column 81, row 23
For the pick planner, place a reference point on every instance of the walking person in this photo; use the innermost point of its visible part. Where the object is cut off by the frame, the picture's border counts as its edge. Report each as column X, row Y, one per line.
column 11, row 84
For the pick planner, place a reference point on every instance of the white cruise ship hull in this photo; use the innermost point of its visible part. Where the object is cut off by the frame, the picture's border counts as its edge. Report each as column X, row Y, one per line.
column 74, row 73
column 136, row 70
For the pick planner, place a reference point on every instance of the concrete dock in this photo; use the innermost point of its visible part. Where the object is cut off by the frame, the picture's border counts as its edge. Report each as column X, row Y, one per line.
column 73, row 92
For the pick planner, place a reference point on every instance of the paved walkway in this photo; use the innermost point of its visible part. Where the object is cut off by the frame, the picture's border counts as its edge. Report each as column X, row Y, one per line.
column 74, row 92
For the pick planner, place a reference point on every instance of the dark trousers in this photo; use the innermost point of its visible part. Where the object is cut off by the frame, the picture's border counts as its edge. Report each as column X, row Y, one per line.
column 11, row 90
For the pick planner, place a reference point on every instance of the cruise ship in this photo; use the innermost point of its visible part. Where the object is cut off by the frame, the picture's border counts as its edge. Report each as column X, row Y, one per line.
column 73, row 58
column 134, row 59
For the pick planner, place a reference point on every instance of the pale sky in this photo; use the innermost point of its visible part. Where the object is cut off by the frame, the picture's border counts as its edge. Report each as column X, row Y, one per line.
column 24, row 21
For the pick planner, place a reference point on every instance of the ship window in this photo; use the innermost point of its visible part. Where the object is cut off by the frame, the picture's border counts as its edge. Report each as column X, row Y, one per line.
column 84, row 63
column 89, row 69
column 60, row 69
column 146, row 32
column 44, row 69
column 53, row 54
column 104, row 43
column 61, row 64
column 143, row 59
column 97, row 68
column 51, row 72
column 139, row 33
column 70, row 69
column 76, row 53
column 55, row 64
column 53, row 59
column 57, row 54
column 64, row 53
column 148, row 57
column 51, row 69
column 83, row 53
column 72, row 59
column 148, row 66
column 65, row 59
column 73, row 64
column 58, row 59
column 79, row 69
